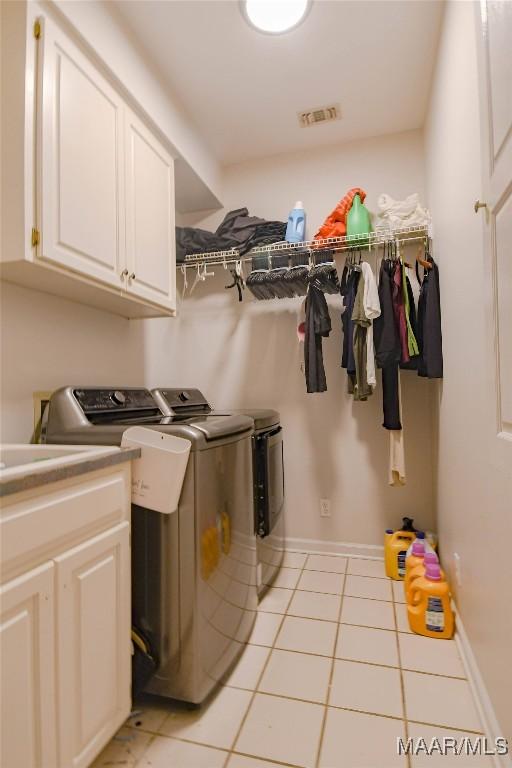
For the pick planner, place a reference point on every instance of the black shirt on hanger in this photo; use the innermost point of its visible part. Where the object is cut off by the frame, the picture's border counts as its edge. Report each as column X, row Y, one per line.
column 430, row 339
column 318, row 324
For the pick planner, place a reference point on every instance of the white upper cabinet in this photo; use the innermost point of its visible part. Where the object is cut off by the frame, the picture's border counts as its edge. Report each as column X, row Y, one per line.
column 93, row 216
column 81, row 207
column 150, row 236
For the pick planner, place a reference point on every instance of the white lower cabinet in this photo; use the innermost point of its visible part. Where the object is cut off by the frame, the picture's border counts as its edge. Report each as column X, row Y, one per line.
column 27, row 667
column 93, row 643
column 65, row 599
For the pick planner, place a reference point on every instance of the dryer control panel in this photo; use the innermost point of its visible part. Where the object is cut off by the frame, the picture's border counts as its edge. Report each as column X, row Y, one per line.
column 181, row 401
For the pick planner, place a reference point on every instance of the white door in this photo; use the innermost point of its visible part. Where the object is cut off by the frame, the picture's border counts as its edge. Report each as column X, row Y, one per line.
column 80, row 163
column 495, row 64
column 27, row 668
column 150, row 233
column 93, row 599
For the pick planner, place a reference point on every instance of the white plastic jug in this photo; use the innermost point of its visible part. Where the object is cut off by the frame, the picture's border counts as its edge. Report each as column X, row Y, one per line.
column 157, row 477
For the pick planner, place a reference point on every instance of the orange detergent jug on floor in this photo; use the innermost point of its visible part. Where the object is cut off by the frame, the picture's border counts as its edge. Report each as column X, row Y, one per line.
column 417, row 571
column 430, row 612
column 396, row 544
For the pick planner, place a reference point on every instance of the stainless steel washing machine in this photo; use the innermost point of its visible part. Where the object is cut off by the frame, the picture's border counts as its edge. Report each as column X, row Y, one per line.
column 194, row 572
column 268, row 473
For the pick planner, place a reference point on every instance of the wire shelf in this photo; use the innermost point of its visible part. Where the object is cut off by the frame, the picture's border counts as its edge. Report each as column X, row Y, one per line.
column 345, row 243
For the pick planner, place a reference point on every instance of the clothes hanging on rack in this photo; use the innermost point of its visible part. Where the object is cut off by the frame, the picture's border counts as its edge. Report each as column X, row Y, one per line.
column 318, row 325
column 358, row 382
column 430, row 339
column 412, row 344
column 391, row 393
column 399, row 311
column 371, row 305
column 348, row 290
column 388, row 347
column 387, row 342
column 397, row 475
column 412, row 320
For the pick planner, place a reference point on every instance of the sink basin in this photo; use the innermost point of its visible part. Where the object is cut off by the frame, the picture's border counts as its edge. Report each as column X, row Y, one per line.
column 17, row 460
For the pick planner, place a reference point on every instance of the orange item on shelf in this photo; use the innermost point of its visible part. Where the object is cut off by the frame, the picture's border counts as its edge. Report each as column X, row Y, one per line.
column 335, row 224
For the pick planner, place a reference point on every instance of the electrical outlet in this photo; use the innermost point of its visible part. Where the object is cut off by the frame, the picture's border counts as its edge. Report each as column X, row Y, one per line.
column 325, row 507
column 458, row 569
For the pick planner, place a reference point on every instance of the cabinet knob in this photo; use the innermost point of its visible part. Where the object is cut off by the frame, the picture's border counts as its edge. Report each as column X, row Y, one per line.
column 132, row 276
column 479, row 205
column 123, row 274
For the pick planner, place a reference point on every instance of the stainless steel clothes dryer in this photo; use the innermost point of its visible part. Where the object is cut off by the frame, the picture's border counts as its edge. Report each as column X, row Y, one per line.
column 193, row 572
column 268, row 473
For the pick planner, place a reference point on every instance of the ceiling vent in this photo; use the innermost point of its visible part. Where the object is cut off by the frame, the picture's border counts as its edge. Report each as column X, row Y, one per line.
column 320, row 115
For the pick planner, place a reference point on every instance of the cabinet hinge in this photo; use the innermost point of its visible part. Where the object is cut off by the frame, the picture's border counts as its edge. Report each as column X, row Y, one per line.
column 37, row 29
column 35, row 237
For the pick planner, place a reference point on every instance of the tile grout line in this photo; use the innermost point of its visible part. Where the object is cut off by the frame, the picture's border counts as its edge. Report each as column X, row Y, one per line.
column 326, row 705
column 260, row 677
column 150, row 742
column 402, row 684
column 331, row 675
column 317, row 703
column 346, row 658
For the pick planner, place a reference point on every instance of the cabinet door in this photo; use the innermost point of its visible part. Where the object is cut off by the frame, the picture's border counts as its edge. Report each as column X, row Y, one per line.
column 94, row 645
column 150, row 233
column 27, row 662
column 81, row 170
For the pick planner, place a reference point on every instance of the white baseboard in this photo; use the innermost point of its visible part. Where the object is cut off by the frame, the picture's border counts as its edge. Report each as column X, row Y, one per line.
column 320, row 547
column 482, row 700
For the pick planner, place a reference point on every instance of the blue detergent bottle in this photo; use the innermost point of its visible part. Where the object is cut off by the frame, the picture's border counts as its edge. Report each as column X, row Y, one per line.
column 296, row 227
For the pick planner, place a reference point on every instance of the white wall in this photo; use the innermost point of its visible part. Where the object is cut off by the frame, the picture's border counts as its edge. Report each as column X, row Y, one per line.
column 48, row 342
column 248, row 354
column 473, row 495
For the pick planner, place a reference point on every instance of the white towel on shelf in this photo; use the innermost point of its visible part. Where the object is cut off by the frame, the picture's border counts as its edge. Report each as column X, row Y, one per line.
column 371, row 305
column 401, row 213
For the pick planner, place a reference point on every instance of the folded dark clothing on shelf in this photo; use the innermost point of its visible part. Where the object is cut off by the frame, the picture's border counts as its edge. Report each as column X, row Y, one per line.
column 237, row 230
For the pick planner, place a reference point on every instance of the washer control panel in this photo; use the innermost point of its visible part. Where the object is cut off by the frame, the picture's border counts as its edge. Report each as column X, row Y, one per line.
column 133, row 399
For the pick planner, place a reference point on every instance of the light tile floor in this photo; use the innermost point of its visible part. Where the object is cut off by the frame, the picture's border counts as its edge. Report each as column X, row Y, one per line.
column 330, row 678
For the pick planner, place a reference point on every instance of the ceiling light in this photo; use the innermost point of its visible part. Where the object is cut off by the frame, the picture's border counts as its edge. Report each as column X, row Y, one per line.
column 275, row 16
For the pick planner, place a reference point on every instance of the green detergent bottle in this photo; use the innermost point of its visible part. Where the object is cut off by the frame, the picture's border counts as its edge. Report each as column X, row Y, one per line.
column 358, row 220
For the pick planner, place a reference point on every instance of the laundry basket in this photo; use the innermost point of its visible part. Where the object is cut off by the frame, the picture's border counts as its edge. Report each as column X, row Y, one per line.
column 157, row 477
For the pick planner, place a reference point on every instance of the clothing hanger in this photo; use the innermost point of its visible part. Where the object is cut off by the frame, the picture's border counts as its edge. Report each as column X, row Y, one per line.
column 185, row 281
column 424, row 263
column 324, row 277
column 256, row 279
column 197, row 279
column 201, row 275
column 398, row 247
column 238, row 280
